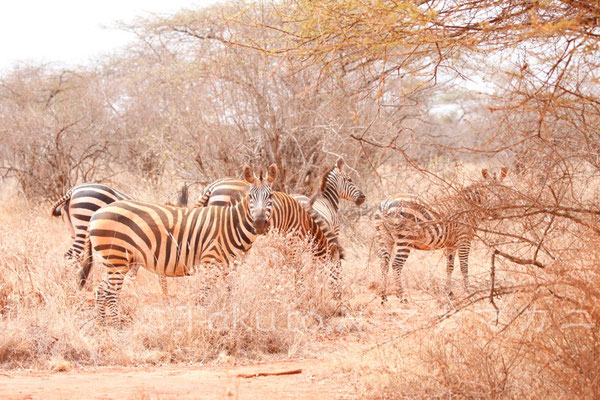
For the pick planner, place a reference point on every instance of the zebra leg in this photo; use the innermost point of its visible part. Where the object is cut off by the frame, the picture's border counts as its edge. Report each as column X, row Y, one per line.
column 164, row 287
column 400, row 255
column 449, row 270
column 108, row 297
column 335, row 272
column 211, row 273
column 386, row 245
column 162, row 281
column 75, row 251
column 70, row 254
column 101, row 301
column 385, row 267
column 463, row 257
column 384, row 252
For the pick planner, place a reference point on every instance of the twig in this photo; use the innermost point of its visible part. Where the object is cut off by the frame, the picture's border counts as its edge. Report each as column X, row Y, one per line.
column 493, row 284
column 290, row 372
column 518, row 260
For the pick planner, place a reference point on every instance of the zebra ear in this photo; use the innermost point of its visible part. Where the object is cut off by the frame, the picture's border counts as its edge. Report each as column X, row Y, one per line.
column 340, row 163
column 503, row 172
column 485, row 173
column 334, row 251
column 249, row 174
column 272, row 173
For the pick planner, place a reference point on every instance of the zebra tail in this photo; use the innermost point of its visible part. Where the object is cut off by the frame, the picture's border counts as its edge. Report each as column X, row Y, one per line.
column 58, row 203
column 86, row 263
column 203, row 202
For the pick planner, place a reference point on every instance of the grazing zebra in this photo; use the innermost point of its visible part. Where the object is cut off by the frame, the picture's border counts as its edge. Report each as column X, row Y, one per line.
column 173, row 241
column 404, row 223
column 77, row 207
column 335, row 185
column 289, row 216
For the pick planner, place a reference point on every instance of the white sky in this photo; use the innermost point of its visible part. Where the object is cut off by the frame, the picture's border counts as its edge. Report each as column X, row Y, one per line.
column 71, row 32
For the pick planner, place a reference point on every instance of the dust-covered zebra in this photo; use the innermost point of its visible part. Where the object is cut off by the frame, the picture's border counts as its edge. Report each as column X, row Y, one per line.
column 404, row 222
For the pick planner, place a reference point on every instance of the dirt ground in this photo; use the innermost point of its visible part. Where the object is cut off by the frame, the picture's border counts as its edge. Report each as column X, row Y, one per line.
column 318, row 379
column 179, row 383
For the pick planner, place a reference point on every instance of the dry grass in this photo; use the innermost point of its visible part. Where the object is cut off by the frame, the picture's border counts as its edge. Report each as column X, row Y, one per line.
column 274, row 305
column 542, row 342
column 266, row 305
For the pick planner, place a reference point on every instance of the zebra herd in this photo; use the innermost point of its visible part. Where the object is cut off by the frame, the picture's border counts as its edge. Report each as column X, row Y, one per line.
column 112, row 229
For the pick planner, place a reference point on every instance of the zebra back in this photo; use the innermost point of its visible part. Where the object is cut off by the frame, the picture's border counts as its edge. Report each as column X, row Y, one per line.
column 223, row 192
column 77, row 207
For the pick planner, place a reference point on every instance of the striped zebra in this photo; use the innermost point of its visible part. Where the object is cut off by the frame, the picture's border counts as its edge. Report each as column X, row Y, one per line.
column 403, row 223
column 80, row 202
column 289, row 216
column 173, row 241
column 335, row 185
column 77, row 206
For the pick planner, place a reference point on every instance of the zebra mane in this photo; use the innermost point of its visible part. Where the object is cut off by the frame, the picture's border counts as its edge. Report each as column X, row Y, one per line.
column 319, row 192
column 324, row 179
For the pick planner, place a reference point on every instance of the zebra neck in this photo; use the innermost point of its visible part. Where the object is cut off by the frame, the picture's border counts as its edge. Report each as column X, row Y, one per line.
column 330, row 194
column 243, row 223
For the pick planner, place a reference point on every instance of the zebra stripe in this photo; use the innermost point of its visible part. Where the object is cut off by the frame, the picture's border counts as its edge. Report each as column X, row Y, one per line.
column 335, row 185
column 289, row 216
column 404, row 223
column 77, row 207
column 174, row 241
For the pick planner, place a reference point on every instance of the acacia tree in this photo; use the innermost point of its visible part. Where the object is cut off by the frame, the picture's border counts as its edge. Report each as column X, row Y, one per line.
column 536, row 64
column 232, row 105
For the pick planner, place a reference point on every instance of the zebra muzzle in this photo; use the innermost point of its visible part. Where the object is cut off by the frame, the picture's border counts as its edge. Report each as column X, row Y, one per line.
column 261, row 226
column 360, row 199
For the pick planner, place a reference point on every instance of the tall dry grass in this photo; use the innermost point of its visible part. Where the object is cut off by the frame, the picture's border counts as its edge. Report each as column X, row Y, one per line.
column 268, row 304
column 542, row 341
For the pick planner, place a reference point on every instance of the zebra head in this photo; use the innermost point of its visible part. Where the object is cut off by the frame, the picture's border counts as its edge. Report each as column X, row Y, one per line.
column 487, row 195
column 343, row 184
column 260, row 195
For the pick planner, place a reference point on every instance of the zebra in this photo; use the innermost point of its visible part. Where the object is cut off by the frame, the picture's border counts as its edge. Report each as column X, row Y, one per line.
column 289, row 216
column 403, row 223
column 173, row 241
column 80, row 202
column 335, row 185
column 77, row 206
